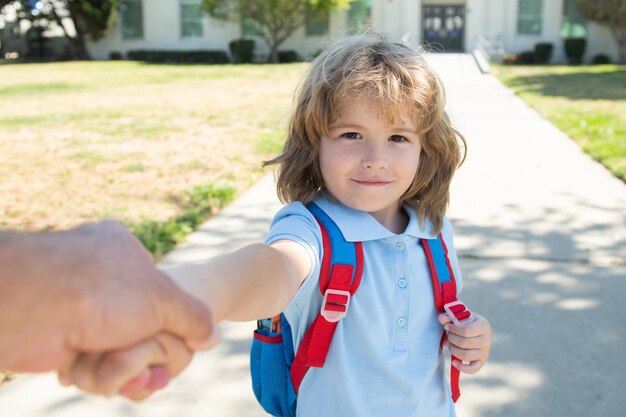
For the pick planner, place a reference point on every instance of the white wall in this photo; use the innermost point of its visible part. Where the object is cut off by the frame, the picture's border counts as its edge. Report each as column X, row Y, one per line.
column 395, row 18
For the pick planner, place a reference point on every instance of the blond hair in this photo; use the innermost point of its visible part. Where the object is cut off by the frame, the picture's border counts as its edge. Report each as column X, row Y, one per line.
column 398, row 78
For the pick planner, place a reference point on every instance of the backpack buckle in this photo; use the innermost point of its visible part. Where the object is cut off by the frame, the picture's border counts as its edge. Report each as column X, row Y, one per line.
column 335, row 305
column 458, row 313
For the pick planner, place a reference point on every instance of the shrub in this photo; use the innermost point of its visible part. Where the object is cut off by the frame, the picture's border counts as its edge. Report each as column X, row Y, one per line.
column 543, row 52
column 525, row 58
column 242, row 50
column 601, row 59
column 115, row 56
column 575, row 49
column 177, row 57
column 288, row 56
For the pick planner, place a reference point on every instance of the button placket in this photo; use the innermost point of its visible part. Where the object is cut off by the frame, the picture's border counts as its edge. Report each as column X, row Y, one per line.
column 400, row 318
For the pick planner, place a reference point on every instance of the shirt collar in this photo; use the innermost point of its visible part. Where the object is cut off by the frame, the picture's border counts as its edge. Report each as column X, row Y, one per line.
column 359, row 226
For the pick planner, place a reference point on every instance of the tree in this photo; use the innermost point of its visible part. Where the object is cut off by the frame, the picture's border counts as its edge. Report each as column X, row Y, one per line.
column 91, row 18
column 611, row 13
column 277, row 19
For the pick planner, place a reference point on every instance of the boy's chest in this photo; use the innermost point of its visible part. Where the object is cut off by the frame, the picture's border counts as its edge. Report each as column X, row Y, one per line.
column 395, row 298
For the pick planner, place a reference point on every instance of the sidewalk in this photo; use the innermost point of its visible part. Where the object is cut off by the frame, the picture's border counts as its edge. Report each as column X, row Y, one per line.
column 541, row 233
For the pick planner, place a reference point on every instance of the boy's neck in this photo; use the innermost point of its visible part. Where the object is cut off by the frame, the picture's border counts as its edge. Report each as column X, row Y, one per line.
column 395, row 221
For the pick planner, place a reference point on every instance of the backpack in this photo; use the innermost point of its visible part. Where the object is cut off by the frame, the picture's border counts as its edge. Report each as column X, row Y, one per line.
column 277, row 371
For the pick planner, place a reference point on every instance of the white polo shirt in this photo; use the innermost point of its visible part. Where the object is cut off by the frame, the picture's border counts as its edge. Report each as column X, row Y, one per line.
column 384, row 359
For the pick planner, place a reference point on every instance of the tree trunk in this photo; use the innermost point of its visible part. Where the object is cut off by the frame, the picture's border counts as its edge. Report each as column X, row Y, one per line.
column 272, row 58
column 77, row 44
column 620, row 37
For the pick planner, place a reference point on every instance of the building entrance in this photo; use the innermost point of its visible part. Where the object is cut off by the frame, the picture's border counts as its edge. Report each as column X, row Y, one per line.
column 444, row 27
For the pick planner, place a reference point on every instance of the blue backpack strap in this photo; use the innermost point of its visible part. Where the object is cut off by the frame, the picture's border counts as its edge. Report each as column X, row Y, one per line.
column 340, row 276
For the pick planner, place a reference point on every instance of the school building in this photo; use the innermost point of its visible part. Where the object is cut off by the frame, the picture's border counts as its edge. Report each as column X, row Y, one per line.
column 496, row 27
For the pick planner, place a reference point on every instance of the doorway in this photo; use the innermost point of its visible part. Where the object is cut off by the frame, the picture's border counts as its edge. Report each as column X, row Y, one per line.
column 444, row 27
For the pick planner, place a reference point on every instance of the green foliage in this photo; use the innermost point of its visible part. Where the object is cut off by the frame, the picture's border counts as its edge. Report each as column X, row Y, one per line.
column 601, row 59
column 200, row 202
column 242, row 50
column 179, row 57
column 575, row 49
column 94, row 16
column 611, row 13
column 277, row 19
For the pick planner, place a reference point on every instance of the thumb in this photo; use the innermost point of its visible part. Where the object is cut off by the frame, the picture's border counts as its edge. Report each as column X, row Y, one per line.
column 188, row 318
column 444, row 319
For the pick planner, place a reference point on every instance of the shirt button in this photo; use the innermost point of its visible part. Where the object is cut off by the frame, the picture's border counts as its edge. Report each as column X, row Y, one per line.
column 399, row 246
column 402, row 283
column 401, row 321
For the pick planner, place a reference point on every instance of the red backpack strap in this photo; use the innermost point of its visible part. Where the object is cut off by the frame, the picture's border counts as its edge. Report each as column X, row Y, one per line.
column 340, row 277
column 444, row 290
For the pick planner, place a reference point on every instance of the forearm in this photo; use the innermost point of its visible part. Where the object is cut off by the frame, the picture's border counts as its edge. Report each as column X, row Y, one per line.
column 248, row 284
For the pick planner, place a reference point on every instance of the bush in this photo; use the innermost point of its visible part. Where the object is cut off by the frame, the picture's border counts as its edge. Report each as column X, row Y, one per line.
column 575, row 49
column 242, row 50
column 543, row 52
column 115, row 56
column 601, row 59
column 179, row 57
column 288, row 56
column 525, row 58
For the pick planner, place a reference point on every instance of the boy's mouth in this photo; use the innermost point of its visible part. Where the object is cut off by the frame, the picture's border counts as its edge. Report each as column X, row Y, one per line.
column 372, row 182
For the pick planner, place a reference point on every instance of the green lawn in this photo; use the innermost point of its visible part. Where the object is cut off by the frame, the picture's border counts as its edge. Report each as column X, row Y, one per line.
column 159, row 147
column 588, row 103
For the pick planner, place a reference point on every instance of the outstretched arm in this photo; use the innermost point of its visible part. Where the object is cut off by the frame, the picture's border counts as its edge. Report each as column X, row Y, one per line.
column 256, row 281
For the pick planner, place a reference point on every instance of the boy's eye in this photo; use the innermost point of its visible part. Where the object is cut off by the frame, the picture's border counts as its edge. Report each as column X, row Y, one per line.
column 351, row 135
column 398, row 139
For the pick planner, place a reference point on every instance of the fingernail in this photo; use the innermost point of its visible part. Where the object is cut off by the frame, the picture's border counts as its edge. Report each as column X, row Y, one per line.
column 447, row 327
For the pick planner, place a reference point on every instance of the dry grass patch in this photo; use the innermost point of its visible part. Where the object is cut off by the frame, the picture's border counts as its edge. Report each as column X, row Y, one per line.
column 85, row 141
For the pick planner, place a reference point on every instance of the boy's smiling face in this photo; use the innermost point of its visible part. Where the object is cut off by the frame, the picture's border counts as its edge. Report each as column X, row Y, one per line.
column 368, row 163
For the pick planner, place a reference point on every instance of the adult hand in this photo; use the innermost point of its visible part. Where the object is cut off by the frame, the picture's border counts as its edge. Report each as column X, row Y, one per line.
column 90, row 289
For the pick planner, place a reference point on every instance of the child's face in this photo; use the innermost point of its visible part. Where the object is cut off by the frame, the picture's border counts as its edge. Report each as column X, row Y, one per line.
column 368, row 164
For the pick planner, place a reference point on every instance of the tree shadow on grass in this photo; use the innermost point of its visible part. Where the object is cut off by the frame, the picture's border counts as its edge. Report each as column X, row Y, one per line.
column 576, row 86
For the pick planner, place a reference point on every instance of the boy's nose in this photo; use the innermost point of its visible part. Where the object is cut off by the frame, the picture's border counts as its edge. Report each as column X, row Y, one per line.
column 374, row 157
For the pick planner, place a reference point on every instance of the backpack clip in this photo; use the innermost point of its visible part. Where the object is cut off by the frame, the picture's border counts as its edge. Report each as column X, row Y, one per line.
column 335, row 305
column 458, row 313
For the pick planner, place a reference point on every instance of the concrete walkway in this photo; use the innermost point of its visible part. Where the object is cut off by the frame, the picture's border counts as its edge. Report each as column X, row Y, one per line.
column 541, row 232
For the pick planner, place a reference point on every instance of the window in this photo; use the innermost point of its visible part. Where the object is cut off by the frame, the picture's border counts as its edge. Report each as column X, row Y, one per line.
column 316, row 23
column 190, row 18
column 359, row 16
column 249, row 25
column 131, row 16
column 529, row 17
column 574, row 24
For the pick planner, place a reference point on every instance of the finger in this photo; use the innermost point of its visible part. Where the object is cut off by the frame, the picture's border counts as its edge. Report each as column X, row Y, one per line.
column 149, row 381
column 466, row 342
column 466, row 330
column 120, row 367
column 140, row 381
column 471, row 368
column 467, row 355
column 176, row 357
column 187, row 317
column 137, row 395
column 444, row 319
column 81, row 373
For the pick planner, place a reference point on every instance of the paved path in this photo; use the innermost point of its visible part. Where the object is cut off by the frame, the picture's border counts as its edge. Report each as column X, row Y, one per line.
column 541, row 232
